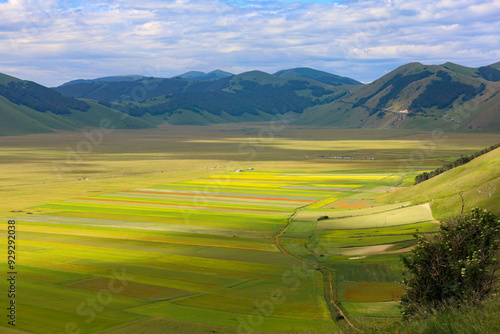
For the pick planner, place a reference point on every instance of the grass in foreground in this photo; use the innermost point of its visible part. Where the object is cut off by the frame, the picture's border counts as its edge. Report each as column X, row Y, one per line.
column 468, row 319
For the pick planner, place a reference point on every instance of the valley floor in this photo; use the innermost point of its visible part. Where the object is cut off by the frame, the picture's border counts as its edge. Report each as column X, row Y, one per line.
column 155, row 231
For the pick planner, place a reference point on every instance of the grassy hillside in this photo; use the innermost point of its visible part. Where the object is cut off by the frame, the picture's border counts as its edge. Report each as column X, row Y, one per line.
column 417, row 96
column 251, row 96
column 495, row 65
column 98, row 112
column 5, row 79
column 28, row 108
column 479, row 180
column 20, row 120
column 450, row 97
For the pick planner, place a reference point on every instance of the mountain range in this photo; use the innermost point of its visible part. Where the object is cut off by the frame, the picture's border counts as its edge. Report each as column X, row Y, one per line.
column 416, row 96
column 413, row 96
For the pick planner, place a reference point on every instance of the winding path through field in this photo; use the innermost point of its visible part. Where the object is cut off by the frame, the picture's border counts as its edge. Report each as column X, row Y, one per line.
column 327, row 275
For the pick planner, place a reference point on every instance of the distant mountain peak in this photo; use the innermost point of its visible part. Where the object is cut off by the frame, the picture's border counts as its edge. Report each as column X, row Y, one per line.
column 198, row 75
column 117, row 78
column 191, row 75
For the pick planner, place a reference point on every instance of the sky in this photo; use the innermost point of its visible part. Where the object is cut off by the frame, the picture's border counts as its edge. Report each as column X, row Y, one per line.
column 54, row 41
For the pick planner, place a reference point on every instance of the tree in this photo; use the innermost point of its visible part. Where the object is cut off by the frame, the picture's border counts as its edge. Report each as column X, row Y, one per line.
column 454, row 265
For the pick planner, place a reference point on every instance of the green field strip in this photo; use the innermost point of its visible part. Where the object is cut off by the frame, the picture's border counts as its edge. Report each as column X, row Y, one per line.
column 364, row 271
column 297, row 249
column 227, row 266
column 284, row 177
column 224, row 318
column 174, row 237
column 41, row 319
column 306, row 310
column 141, row 291
column 59, row 266
column 367, row 237
column 185, row 222
column 201, row 200
column 238, row 192
column 102, row 228
column 63, row 217
column 255, row 256
column 77, row 252
column 348, row 184
column 188, row 202
column 327, row 189
column 146, row 211
column 222, row 271
column 380, row 309
column 57, row 297
column 240, row 184
column 246, row 283
column 165, row 325
column 271, row 179
column 258, row 182
column 342, row 175
column 175, row 207
column 61, row 241
column 166, row 282
column 51, row 241
column 226, row 226
column 398, row 230
column 300, row 228
column 305, row 187
column 355, row 246
column 50, row 250
column 48, row 276
column 236, row 270
column 310, row 213
column 407, row 215
column 271, row 199
column 177, row 276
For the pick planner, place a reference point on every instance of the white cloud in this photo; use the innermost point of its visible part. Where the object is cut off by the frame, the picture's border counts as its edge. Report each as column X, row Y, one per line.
column 361, row 39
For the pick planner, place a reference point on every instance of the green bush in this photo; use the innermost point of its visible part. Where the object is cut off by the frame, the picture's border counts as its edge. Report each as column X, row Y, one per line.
column 455, row 265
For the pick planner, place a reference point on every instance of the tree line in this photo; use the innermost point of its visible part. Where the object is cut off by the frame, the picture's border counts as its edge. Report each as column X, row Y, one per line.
column 459, row 162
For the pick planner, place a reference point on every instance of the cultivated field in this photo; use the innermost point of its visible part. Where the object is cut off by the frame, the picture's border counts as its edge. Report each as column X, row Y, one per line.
column 198, row 251
column 154, row 231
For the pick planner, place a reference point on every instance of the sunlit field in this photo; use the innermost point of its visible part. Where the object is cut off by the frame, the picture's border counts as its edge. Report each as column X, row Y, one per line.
column 215, row 229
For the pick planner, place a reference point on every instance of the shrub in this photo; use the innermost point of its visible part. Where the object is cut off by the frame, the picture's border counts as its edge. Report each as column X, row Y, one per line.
column 455, row 265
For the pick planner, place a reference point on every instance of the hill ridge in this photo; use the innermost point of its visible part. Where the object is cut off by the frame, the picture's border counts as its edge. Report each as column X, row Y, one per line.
column 413, row 96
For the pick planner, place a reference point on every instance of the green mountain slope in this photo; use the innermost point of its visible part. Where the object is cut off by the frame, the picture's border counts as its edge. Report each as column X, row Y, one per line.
column 324, row 77
column 26, row 107
column 479, row 180
column 417, row 96
column 6, row 79
column 414, row 96
column 250, row 96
